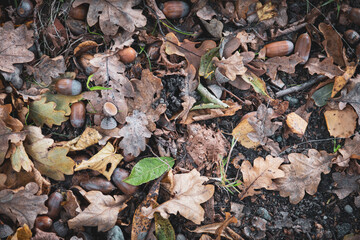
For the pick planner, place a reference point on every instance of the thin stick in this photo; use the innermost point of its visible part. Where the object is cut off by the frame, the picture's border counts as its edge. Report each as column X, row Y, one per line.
column 36, row 32
column 301, row 86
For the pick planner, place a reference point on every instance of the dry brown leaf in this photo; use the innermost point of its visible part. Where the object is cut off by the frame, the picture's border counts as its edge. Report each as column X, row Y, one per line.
column 296, row 123
column 260, row 175
column 114, row 14
column 99, row 162
column 285, row 64
column 231, row 66
column 340, row 81
column 40, row 235
column 71, row 204
column 122, row 40
column 14, row 46
column 341, row 123
column 47, row 69
column 345, row 184
column 303, row 174
column 134, row 134
column 190, row 85
column 349, row 150
column 206, row 147
column 22, row 205
column 333, row 43
column 88, row 138
column 242, row 7
column 147, row 92
column 240, row 132
column 102, row 211
column 188, row 193
column 353, row 98
column 22, row 233
column 326, row 67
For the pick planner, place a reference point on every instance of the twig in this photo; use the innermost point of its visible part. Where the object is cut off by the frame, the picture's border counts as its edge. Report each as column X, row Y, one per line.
column 301, row 86
column 36, row 32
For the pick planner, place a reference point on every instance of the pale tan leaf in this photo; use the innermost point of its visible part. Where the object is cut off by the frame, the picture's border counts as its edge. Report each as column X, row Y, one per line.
column 88, row 138
column 240, row 132
column 231, row 66
column 188, row 193
column 296, row 123
column 349, row 150
column 326, row 67
column 99, row 162
column 20, row 159
column 341, row 123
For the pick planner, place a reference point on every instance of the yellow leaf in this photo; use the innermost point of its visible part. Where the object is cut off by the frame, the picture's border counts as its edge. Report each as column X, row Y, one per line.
column 62, row 101
column 340, row 81
column 88, row 138
column 257, row 83
column 241, row 131
column 265, row 12
column 20, row 159
column 341, row 123
column 22, row 233
column 296, row 123
column 100, row 161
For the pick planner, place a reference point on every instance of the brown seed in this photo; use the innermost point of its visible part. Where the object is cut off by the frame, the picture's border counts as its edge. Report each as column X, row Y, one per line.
column 108, row 123
column 120, row 174
column 68, row 87
column 175, row 9
column 79, row 12
column 25, row 8
column 85, row 64
column 303, row 46
column 54, row 204
column 351, row 36
column 127, row 55
column 110, row 109
column 43, row 223
column 99, row 184
column 278, row 49
column 354, row 15
column 77, row 116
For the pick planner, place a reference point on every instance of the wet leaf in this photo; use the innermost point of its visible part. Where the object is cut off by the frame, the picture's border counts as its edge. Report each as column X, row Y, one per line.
column 345, row 184
column 62, row 102
column 44, row 113
column 102, row 211
column 260, row 175
column 341, row 123
column 148, row 169
column 188, row 193
column 333, row 44
column 23, row 205
column 163, row 228
column 99, row 162
column 322, row 95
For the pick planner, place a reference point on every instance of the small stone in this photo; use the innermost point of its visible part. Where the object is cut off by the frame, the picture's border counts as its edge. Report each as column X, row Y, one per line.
column 115, row 234
column 279, row 139
column 348, row 209
column 343, row 229
column 292, row 101
column 180, row 236
column 262, row 212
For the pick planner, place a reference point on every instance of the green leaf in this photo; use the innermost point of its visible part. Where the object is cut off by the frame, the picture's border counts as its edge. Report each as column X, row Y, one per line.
column 163, row 228
column 44, row 113
column 207, row 68
column 62, row 101
column 322, row 95
column 95, row 87
column 257, row 83
column 148, row 169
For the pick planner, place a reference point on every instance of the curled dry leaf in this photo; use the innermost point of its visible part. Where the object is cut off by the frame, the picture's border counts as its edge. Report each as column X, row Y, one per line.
column 14, row 46
column 102, row 211
column 99, row 162
column 349, row 150
column 340, row 81
column 22, row 204
column 188, row 193
column 7, row 135
column 303, row 174
column 88, row 138
column 296, row 123
column 114, row 14
column 341, row 123
column 285, row 64
column 231, row 66
column 326, row 67
column 260, row 175
column 345, row 184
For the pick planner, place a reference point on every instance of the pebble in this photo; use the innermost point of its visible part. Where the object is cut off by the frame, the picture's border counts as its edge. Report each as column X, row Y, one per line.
column 348, row 209
column 262, row 212
column 115, row 234
column 343, row 229
column 279, row 139
column 180, row 236
column 292, row 101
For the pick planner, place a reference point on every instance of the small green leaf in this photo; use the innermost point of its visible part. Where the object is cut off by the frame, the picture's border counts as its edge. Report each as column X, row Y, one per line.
column 163, row 228
column 257, row 83
column 207, row 67
column 148, row 169
column 95, row 87
column 322, row 95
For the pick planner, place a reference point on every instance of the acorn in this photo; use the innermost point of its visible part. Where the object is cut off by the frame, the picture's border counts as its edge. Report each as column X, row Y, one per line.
column 351, row 36
column 118, row 176
column 54, row 204
column 303, row 46
column 79, row 12
column 354, row 15
column 127, row 55
column 68, row 87
column 278, row 49
column 43, row 223
column 98, row 184
column 85, row 64
column 25, row 8
column 77, row 116
column 109, row 109
column 175, row 9
column 108, row 123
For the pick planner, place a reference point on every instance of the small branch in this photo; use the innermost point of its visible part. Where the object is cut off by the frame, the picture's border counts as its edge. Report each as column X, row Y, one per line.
column 301, row 86
column 36, row 32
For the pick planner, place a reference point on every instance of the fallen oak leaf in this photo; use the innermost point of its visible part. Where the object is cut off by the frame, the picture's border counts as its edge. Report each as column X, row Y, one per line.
column 99, row 162
column 353, row 98
column 102, row 211
column 349, row 150
column 22, row 233
column 231, row 66
column 188, row 193
column 341, row 123
column 62, row 101
column 286, row 64
column 326, row 67
column 20, row 159
column 88, row 138
column 340, row 81
column 345, row 184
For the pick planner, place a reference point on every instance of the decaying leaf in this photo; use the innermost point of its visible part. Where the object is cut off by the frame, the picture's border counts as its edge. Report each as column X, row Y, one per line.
column 44, row 113
column 333, row 43
column 112, row 15
column 260, row 175
column 88, row 138
column 188, row 193
column 134, row 134
column 349, row 150
column 15, row 43
column 340, row 81
column 99, row 162
column 22, row 205
column 62, row 102
column 326, row 67
column 285, row 64
column 231, row 66
column 240, row 132
column 353, row 98
column 265, row 11
column 22, row 233
column 257, row 83
column 102, row 211
column 341, row 123
column 206, row 147
column 296, row 123
column 345, row 184
column 303, row 174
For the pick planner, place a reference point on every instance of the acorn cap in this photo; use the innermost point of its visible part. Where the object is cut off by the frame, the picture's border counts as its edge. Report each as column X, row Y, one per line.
column 110, row 109
column 108, row 123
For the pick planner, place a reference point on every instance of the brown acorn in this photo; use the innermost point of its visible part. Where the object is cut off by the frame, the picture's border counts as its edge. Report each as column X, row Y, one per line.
column 54, row 204
column 43, row 223
column 98, row 184
column 303, row 46
column 77, row 116
column 278, row 49
column 127, row 55
column 118, row 176
column 84, row 61
column 79, row 12
column 354, row 15
column 68, row 87
column 351, row 36
column 25, row 8
column 175, row 9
